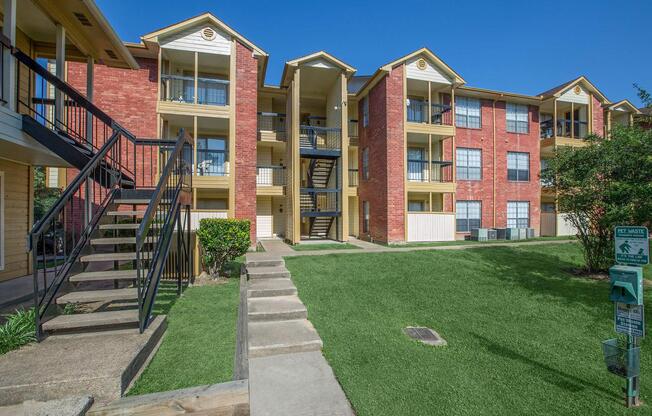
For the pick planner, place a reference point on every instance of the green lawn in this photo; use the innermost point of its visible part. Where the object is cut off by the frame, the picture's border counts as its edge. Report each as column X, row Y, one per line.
column 523, row 334
column 323, row 246
column 199, row 344
column 470, row 242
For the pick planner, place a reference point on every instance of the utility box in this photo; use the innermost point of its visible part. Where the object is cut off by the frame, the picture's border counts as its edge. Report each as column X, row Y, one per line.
column 626, row 285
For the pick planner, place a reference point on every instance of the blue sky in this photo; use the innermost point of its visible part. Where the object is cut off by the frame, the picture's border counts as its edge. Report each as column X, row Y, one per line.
column 510, row 45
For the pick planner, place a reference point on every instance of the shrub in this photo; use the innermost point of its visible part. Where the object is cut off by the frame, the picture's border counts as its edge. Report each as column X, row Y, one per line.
column 222, row 240
column 18, row 330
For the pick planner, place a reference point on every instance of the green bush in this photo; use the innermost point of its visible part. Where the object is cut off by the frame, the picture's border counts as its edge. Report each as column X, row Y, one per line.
column 18, row 330
column 222, row 240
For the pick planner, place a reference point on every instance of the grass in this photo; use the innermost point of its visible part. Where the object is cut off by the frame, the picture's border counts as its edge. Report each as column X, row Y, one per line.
column 17, row 331
column 199, row 345
column 323, row 246
column 524, row 336
column 470, row 242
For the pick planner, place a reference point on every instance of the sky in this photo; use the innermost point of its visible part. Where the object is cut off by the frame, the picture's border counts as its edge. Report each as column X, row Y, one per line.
column 508, row 45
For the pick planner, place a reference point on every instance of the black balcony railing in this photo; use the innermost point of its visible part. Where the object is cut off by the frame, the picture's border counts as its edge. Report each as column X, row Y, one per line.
column 440, row 114
column 321, row 138
column 212, row 162
column 324, row 201
column 577, row 129
column 272, row 122
column 210, row 91
column 270, row 175
column 419, row 171
column 353, row 177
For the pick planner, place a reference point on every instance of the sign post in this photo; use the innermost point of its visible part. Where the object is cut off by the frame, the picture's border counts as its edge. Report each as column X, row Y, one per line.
column 632, row 251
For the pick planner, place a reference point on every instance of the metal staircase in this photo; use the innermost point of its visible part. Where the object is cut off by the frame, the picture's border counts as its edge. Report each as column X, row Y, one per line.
column 116, row 231
column 319, row 202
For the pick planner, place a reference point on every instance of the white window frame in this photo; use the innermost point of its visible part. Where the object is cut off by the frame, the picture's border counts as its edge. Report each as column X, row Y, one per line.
column 464, row 170
column 459, row 212
column 520, row 163
column 518, row 115
column 465, row 112
column 365, row 111
column 2, row 220
column 518, row 207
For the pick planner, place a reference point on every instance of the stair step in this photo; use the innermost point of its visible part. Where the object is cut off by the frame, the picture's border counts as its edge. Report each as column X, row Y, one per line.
column 282, row 337
column 265, row 262
column 126, row 213
column 98, row 296
column 108, row 257
column 113, row 241
column 259, row 288
column 279, row 308
column 119, row 226
column 95, row 320
column 106, row 275
column 268, row 272
column 132, row 201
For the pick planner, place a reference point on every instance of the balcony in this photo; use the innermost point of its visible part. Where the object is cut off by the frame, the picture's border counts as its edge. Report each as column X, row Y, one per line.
column 271, row 126
column 436, row 176
column 319, row 202
column 270, row 180
column 353, row 132
column 181, row 89
column 440, row 114
column 320, row 141
column 579, row 129
column 353, row 177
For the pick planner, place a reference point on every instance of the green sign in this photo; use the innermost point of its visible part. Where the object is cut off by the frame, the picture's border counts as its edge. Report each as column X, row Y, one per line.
column 632, row 246
column 629, row 319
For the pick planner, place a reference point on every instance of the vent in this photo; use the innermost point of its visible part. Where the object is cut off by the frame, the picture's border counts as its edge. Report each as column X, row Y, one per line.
column 111, row 54
column 82, row 19
column 424, row 335
column 208, row 33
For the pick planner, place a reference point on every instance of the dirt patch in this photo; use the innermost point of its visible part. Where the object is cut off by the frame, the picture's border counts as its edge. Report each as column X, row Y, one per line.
column 584, row 274
column 205, row 280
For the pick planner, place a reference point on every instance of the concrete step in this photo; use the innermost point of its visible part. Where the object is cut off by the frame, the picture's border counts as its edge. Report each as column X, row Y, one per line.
column 282, row 337
column 274, row 272
column 108, row 257
column 260, row 288
column 265, row 262
column 107, row 295
column 132, row 201
column 106, row 275
column 113, row 241
column 278, row 308
column 126, row 213
column 133, row 226
column 95, row 320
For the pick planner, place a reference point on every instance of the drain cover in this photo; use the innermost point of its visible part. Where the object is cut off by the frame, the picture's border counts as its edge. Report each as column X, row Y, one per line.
column 424, row 335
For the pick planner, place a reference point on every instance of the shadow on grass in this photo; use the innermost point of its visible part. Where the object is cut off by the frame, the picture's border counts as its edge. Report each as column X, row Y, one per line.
column 548, row 374
column 543, row 274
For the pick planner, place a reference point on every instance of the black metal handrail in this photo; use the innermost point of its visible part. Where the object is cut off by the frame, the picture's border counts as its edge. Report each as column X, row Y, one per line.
column 353, row 177
column 417, row 112
column 274, row 122
column 210, row 91
column 419, row 171
column 269, row 175
column 319, row 200
column 579, row 128
column 320, row 138
column 168, row 212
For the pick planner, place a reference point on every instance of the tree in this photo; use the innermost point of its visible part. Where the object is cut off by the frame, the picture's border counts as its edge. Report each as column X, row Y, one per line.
column 222, row 240
column 644, row 119
column 605, row 184
column 44, row 197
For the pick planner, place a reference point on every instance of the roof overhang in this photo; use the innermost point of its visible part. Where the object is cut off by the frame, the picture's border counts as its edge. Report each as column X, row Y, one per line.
column 499, row 95
column 291, row 66
column 627, row 104
column 454, row 76
column 558, row 91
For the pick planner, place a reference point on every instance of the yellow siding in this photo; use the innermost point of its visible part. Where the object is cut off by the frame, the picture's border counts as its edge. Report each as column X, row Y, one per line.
column 17, row 219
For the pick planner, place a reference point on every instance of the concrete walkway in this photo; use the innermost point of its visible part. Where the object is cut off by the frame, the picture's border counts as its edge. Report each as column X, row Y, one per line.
column 288, row 375
column 277, row 248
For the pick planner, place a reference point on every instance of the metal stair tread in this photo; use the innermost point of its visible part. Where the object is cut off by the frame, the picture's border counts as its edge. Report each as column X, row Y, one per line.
column 105, row 275
column 98, row 295
column 127, row 213
column 117, row 240
column 133, row 226
column 112, row 256
column 91, row 320
column 131, row 201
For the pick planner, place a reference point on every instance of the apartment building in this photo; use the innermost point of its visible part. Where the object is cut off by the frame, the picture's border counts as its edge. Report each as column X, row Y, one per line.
column 408, row 153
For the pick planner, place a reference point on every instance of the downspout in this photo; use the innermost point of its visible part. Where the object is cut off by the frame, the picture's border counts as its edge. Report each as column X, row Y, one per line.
column 493, row 113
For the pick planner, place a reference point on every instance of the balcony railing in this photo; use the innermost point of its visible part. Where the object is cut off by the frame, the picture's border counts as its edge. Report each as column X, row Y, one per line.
column 315, row 200
column 579, row 131
column 353, row 132
column 272, row 122
column 212, row 163
column 418, row 171
column 353, row 177
column 321, row 138
column 440, row 114
column 181, row 89
column 270, row 175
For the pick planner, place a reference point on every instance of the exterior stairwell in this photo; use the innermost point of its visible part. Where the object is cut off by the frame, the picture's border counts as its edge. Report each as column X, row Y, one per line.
column 318, row 198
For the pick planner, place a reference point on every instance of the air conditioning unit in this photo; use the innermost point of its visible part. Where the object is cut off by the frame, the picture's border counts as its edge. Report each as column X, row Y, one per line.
column 480, row 234
column 530, row 233
column 522, row 233
column 512, row 234
column 492, row 234
column 501, row 233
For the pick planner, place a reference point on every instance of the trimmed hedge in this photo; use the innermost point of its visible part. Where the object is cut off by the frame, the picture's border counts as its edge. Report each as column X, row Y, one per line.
column 222, row 240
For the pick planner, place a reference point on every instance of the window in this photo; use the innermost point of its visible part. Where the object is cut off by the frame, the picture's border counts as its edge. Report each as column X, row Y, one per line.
column 365, row 163
column 469, row 164
column 467, row 112
column 468, row 215
column 416, row 206
column 212, row 156
column 365, row 111
column 517, row 118
column 2, row 220
column 518, row 214
column 365, row 216
column 518, row 166
column 548, row 207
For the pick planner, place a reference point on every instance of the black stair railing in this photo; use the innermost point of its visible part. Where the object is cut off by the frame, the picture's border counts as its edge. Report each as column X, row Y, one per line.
column 163, row 247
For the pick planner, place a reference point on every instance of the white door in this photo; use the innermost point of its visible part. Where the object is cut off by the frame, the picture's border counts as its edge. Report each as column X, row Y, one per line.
column 264, row 217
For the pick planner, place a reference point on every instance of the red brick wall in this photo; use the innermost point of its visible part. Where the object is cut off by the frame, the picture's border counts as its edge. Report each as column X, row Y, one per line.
column 598, row 117
column 483, row 190
column 385, row 188
column 246, row 136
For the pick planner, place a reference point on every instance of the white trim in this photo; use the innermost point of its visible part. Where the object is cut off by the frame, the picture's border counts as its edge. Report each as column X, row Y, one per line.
column 2, row 220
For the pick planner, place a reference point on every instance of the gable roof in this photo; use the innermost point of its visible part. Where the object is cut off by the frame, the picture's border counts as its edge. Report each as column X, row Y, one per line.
column 203, row 18
column 626, row 103
column 291, row 66
column 558, row 90
column 457, row 79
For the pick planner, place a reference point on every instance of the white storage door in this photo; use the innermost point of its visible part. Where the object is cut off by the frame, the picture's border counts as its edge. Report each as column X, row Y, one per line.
column 264, row 217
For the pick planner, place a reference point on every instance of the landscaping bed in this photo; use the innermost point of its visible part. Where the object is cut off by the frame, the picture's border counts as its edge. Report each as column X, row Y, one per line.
column 524, row 335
